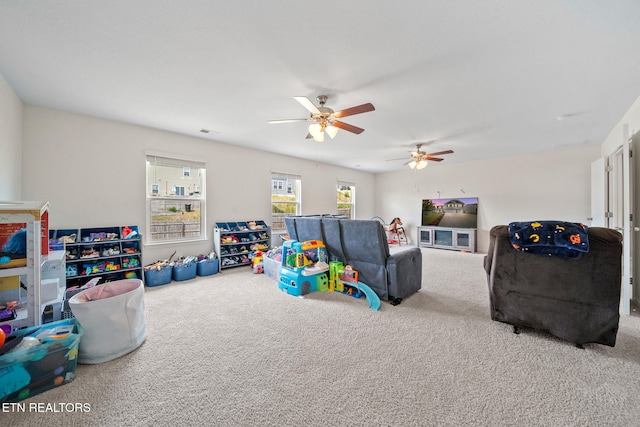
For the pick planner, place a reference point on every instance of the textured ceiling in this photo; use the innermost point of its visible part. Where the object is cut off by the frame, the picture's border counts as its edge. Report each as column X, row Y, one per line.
column 483, row 78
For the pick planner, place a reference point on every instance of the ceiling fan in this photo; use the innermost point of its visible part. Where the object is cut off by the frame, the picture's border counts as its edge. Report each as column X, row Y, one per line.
column 324, row 118
column 420, row 159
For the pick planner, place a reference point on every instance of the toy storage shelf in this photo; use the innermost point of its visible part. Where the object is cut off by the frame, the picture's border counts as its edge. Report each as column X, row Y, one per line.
column 32, row 216
column 107, row 252
column 236, row 242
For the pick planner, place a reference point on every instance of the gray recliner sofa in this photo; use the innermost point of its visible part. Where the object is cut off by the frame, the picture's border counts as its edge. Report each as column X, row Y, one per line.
column 363, row 245
column 577, row 300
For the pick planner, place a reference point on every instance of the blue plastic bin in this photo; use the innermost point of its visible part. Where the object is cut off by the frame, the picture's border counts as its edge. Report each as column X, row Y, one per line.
column 207, row 267
column 157, row 277
column 184, row 272
column 25, row 373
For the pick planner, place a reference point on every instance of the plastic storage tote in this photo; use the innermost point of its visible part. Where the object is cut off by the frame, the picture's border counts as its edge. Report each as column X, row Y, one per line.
column 44, row 357
column 207, row 267
column 158, row 277
column 184, row 272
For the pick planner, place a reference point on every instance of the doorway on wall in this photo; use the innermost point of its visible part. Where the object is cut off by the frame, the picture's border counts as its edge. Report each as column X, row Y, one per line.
column 612, row 206
column 619, row 216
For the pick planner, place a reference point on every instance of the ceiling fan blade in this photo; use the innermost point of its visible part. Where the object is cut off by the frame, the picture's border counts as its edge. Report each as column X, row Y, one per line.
column 286, row 121
column 364, row 108
column 393, row 160
column 433, row 159
column 440, row 153
column 307, row 104
column 347, row 127
column 309, row 136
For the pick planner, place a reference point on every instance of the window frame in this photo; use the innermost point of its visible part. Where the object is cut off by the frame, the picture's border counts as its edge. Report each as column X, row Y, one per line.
column 352, row 203
column 284, row 190
column 180, row 162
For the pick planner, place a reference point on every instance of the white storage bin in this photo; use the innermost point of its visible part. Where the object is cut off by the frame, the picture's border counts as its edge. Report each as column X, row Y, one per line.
column 113, row 319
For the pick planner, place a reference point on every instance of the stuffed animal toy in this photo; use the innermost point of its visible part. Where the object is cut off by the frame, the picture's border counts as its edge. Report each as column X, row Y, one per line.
column 71, row 238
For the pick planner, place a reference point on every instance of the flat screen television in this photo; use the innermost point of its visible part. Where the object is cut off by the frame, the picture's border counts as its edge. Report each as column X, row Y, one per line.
column 461, row 212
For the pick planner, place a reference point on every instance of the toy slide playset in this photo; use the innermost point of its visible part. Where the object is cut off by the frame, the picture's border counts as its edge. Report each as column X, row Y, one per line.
column 304, row 270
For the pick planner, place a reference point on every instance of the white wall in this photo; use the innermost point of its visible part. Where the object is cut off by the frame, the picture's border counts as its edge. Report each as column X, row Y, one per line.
column 92, row 171
column 549, row 185
column 632, row 120
column 10, row 143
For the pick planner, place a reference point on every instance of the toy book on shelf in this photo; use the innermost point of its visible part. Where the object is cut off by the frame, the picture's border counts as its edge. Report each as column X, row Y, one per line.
column 13, row 245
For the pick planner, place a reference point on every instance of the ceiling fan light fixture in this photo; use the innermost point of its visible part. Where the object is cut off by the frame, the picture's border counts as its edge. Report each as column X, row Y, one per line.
column 418, row 164
column 332, row 131
column 316, row 131
column 324, row 117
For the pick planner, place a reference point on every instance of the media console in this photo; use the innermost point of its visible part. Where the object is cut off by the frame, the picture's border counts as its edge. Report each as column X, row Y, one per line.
column 459, row 239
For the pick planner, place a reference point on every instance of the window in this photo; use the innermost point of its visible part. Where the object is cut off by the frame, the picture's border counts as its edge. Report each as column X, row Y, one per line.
column 175, row 200
column 285, row 198
column 346, row 203
column 178, row 191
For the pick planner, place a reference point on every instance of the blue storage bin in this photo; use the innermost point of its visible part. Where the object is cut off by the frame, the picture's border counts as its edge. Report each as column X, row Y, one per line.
column 72, row 233
column 52, row 363
column 155, row 277
column 131, row 232
column 207, row 267
column 56, row 245
column 184, row 272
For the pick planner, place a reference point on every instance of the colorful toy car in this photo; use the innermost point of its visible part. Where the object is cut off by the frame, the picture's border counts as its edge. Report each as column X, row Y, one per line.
column 304, row 267
column 304, row 270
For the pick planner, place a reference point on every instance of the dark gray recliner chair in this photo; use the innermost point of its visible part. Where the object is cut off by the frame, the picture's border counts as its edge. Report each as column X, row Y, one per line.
column 577, row 300
column 363, row 245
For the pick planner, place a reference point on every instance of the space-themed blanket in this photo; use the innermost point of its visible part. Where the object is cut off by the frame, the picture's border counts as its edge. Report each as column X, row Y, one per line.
column 554, row 238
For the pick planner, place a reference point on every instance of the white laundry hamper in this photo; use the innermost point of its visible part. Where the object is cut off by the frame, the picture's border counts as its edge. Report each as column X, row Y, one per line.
column 113, row 319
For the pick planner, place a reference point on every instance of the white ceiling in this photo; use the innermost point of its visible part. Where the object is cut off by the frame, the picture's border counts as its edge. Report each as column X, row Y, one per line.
column 483, row 78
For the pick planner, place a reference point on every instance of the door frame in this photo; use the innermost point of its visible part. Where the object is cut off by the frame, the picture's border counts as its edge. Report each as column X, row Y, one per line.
column 620, row 211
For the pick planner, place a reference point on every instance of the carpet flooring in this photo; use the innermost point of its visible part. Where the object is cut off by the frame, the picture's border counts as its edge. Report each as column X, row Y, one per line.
column 233, row 350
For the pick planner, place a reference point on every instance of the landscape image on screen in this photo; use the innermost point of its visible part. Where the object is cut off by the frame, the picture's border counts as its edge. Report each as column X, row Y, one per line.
column 460, row 212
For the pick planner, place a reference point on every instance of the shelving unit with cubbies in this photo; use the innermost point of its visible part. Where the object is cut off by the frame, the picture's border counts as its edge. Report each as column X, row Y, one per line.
column 236, row 242
column 31, row 299
column 113, row 253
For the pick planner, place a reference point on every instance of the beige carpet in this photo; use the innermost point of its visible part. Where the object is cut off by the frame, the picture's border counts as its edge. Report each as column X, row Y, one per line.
column 232, row 350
